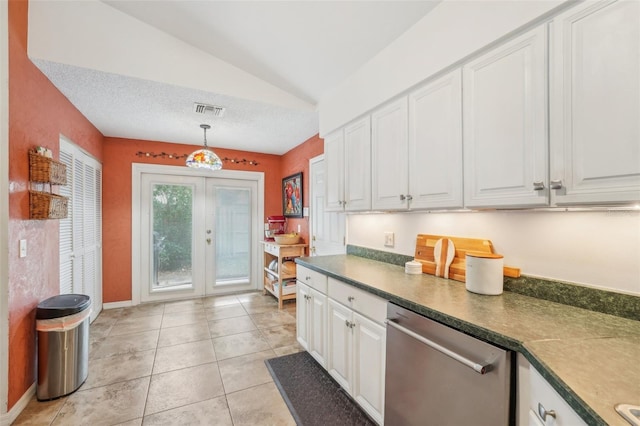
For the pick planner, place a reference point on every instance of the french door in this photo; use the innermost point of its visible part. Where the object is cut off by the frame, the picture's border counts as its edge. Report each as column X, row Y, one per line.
column 198, row 235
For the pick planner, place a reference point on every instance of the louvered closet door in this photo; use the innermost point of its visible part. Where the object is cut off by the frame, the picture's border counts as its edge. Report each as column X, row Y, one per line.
column 81, row 231
column 66, row 229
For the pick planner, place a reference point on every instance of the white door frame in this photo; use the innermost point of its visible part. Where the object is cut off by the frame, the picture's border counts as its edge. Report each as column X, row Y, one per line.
column 136, row 176
column 4, row 210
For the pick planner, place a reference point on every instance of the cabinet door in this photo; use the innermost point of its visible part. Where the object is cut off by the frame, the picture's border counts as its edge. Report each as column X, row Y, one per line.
column 390, row 153
column 357, row 165
column 595, row 103
column 505, row 130
column 302, row 314
column 318, row 327
column 369, row 352
column 340, row 345
column 544, row 397
column 334, row 171
column 435, row 143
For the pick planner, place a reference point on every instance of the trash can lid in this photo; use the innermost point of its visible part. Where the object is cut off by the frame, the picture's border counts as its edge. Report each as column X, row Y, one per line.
column 62, row 305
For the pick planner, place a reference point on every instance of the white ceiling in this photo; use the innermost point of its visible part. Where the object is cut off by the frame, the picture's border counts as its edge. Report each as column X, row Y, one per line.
column 293, row 51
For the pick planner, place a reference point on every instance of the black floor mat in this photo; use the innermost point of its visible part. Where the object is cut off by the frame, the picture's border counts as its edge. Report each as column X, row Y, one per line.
column 312, row 395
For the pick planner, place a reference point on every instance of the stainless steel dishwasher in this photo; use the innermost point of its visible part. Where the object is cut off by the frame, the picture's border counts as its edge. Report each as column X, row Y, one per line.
column 439, row 376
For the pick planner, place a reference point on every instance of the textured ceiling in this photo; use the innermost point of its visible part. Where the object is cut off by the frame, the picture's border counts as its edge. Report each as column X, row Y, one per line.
column 301, row 48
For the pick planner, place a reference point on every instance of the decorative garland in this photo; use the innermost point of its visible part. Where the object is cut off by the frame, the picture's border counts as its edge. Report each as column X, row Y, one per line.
column 184, row 156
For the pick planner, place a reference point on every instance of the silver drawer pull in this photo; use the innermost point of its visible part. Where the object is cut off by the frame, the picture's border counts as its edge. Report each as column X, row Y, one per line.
column 479, row 368
column 543, row 413
column 351, row 298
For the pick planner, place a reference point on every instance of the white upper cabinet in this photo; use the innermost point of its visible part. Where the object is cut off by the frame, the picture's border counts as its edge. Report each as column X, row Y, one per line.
column 505, row 126
column 435, row 143
column 390, row 156
column 595, row 104
column 357, row 163
column 347, row 157
column 334, row 170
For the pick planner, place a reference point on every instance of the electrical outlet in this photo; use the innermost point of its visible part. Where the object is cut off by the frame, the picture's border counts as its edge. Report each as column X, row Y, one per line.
column 23, row 248
column 389, row 239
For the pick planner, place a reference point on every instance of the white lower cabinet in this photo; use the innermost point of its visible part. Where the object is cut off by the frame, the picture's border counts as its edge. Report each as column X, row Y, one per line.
column 311, row 313
column 546, row 406
column 357, row 346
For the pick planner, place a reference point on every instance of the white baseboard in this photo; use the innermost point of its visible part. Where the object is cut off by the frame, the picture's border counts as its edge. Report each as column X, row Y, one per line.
column 116, row 305
column 12, row 415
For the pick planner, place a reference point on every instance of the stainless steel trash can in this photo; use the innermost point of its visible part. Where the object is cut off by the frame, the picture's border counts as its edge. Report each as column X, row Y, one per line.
column 62, row 323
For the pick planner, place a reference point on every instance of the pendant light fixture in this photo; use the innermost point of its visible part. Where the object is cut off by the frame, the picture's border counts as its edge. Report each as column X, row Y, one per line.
column 204, row 158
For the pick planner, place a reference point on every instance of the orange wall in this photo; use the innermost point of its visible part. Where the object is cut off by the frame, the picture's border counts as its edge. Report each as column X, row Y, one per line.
column 294, row 161
column 119, row 154
column 38, row 114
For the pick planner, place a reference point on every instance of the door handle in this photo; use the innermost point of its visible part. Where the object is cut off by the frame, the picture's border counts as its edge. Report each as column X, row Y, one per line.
column 209, row 241
column 478, row 368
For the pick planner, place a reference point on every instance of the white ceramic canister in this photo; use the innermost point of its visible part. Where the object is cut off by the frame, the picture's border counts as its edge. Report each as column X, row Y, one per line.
column 484, row 273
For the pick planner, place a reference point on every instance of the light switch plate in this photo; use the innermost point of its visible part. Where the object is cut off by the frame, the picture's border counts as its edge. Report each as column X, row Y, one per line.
column 23, row 248
column 389, row 239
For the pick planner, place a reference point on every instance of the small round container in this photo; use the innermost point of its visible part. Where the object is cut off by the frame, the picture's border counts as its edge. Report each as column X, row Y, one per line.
column 484, row 273
column 413, row 268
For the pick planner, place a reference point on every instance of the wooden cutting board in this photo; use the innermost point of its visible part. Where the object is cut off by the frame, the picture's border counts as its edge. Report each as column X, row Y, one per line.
column 425, row 245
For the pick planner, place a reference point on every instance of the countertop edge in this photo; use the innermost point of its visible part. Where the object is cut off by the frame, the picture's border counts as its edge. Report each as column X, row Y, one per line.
column 507, row 342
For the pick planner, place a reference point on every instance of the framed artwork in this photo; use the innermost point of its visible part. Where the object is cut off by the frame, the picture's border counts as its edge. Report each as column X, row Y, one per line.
column 292, row 195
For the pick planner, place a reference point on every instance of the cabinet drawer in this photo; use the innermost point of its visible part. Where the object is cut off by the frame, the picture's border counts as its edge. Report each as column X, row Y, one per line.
column 271, row 248
column 312, row 278
column 360, row 301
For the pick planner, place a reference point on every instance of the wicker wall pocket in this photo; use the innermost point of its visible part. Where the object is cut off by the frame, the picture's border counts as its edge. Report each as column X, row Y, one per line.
column 44, row 205
column 44, row 169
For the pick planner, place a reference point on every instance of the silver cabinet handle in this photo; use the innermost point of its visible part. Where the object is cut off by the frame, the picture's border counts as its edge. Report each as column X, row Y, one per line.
column 409, row 197
column 339, row 202
column 555, row 184
column 538, row 186
column 402, row 197
column 344, row 203
column 307, row 278
column 479, row 368
column 346, row 322
column 351, row 298
column 543, row 413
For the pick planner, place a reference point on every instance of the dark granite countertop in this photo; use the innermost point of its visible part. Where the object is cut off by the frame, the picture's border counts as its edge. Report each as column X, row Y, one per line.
column 592, row 359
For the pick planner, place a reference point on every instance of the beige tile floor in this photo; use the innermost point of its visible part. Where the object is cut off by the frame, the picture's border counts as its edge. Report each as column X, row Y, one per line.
column 194, row 362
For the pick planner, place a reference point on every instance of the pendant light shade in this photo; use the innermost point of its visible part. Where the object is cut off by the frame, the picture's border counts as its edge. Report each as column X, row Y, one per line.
column 204, row 158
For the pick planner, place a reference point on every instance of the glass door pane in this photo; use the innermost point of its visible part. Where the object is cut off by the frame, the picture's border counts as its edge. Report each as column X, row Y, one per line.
column 172, row 242
column 233, row 225
column 172, row 237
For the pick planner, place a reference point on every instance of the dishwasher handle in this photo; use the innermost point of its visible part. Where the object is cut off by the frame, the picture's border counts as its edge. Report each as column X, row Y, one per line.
column 478, row 368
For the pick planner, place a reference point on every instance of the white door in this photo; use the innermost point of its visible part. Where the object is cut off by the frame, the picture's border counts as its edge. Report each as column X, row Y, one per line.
column 340, row 346
column 435, row 143
column 80, row 234
column 197, row 236
column 231, row 224
column 334, row 171
column 327, row 227
column 318, row 327
column 303, row 306
column 595, row 104
column 357, row 165
column 505, row 125
column 390, row 156
column 369, row 365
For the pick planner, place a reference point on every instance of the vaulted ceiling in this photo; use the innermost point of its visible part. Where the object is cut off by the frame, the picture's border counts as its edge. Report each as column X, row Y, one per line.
column 136, row 68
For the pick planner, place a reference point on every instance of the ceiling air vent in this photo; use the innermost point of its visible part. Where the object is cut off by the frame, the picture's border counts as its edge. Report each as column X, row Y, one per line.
column 216, row 111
